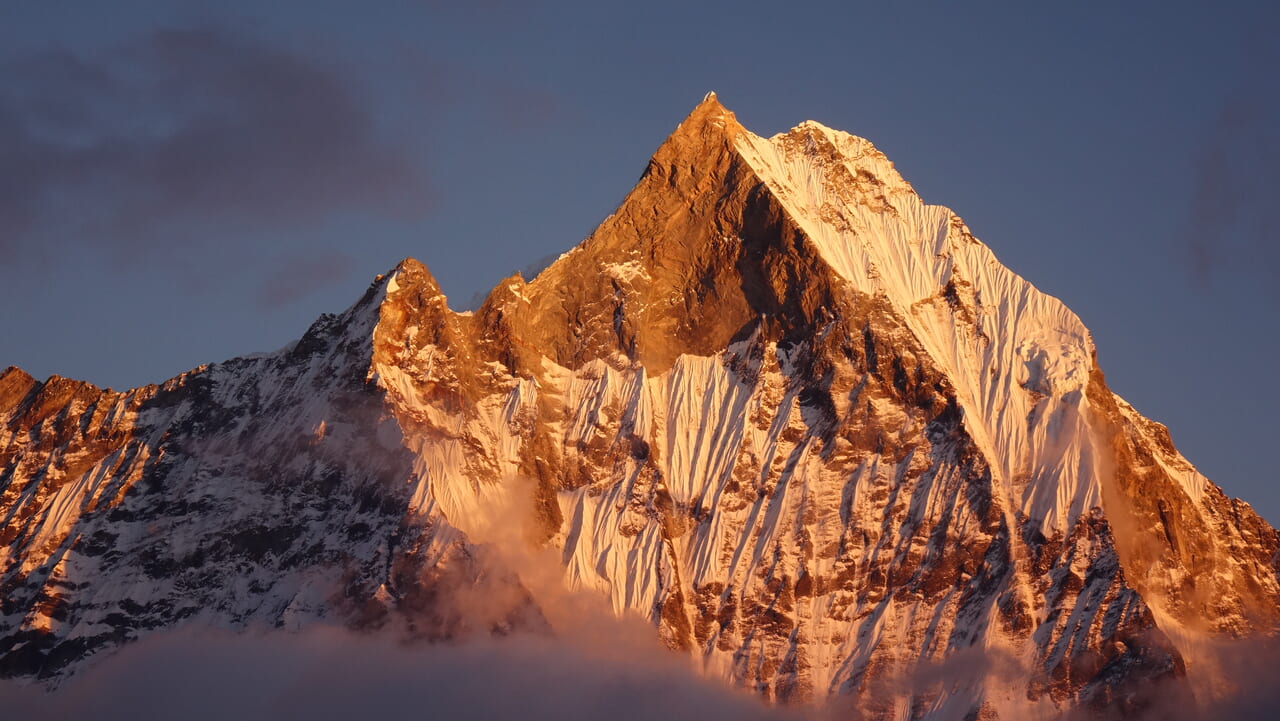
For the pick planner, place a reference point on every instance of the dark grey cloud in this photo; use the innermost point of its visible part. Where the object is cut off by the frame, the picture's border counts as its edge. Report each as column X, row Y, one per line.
column 297, row 276
column 187, row 137
column 1232, row 224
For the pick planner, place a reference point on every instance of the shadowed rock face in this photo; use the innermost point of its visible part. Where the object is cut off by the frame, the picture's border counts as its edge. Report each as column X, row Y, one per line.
column 802, row 422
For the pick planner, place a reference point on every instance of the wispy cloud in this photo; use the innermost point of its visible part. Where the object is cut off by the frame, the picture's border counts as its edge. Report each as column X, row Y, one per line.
column 577, row 661
column 328, row 673
column 295, row 277
column 1232, row 224
column 574, row 661
column 187, row 137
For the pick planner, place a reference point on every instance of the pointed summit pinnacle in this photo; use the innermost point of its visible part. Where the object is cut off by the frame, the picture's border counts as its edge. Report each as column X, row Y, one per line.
column 711, row 105
column 710, row 112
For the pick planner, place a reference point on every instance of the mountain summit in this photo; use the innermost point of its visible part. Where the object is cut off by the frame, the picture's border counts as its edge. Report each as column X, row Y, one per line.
column 804, row 423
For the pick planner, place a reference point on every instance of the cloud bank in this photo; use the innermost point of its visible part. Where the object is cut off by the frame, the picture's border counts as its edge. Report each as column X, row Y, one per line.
column 325, row 674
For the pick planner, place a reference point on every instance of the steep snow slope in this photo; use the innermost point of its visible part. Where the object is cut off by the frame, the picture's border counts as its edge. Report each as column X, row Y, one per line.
column 1020, row 362
column 260, row 491
column 804, row 423
column 1008, row 349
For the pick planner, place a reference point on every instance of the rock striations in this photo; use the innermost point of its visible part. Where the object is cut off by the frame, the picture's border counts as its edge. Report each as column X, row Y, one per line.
column 805, row 424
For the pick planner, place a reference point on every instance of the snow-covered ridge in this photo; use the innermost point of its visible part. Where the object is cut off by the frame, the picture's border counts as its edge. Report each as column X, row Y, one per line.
column 1018, row 360
column 1011, row 351
column 803, row 423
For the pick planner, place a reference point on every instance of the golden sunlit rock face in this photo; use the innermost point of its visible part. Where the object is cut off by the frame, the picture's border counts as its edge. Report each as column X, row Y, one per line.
column 802, row 423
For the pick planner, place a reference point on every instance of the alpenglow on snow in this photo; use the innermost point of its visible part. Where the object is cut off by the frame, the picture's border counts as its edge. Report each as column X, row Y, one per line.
column 802, row 422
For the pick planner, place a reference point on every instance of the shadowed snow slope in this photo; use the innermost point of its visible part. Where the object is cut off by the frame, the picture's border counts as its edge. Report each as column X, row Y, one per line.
column 803, row 424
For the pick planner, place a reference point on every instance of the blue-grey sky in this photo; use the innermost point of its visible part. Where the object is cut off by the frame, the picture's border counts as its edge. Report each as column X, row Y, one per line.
column 180, row 184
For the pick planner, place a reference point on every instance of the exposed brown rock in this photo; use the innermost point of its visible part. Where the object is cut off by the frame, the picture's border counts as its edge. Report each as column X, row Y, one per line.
column 844, row 527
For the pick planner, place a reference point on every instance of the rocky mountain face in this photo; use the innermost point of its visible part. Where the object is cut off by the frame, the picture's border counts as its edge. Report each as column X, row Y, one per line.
column 804, row 423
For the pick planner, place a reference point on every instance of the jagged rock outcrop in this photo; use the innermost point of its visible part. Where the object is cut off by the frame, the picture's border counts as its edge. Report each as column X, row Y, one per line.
column 803, row 422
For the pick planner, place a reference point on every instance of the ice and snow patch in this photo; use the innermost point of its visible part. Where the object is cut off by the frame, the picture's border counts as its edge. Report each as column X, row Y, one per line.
column 626, row 272
column 994, row 334
column 1052, row 364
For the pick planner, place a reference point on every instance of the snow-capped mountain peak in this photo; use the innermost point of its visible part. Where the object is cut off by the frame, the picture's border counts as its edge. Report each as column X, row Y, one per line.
column 804, row 423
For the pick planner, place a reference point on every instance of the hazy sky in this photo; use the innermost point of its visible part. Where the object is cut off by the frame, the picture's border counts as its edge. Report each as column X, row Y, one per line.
column 180, row 185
